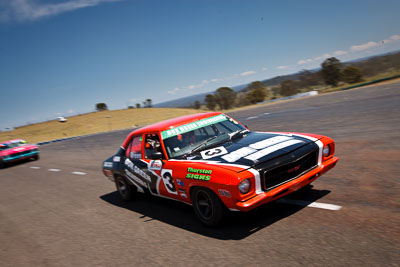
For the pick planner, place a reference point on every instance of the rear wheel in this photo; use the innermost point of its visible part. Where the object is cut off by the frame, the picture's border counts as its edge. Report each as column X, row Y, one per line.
column 124, row 188
column 207, row 206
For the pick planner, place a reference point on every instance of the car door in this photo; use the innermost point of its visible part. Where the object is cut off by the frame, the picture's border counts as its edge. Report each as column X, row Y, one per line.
column 155, row 158
column 136, row 169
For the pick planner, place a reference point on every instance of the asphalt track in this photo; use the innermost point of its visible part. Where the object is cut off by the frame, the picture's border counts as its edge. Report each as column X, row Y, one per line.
column 61, row 210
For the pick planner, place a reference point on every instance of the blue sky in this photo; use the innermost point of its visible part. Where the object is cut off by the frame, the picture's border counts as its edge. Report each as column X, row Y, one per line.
column 61, row 57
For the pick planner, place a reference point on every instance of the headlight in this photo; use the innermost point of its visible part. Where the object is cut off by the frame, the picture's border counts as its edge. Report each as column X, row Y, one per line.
column 244, row 186
column 326, row 151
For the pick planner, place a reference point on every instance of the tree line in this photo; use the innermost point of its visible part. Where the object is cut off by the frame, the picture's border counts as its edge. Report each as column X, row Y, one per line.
column 332, row 74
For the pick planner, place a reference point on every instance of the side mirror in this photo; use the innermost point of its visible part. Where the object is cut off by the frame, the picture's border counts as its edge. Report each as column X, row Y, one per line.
column 156, row 155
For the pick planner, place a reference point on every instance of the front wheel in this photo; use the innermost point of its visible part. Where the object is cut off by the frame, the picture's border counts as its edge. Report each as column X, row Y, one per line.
column 124, row 188
column 207, row 206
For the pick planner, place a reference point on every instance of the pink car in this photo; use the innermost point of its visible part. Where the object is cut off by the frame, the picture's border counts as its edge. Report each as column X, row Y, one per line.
column 16, row 150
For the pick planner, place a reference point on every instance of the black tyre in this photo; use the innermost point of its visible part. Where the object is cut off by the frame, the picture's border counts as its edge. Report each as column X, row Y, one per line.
column 36, row 157
column 207, row 206
column 124, row 189
column 2, row 164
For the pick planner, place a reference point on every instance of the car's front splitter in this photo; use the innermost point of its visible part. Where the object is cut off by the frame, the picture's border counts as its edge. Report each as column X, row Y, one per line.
column 286, row 188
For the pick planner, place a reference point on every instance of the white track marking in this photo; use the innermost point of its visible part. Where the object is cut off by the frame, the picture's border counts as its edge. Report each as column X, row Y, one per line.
column 252, row 117
column 54, row 170
column 79, row 173
column 309, row 204
column 35, row 167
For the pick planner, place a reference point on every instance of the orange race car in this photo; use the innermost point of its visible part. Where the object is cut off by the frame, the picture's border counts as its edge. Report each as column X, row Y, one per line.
column 213, row 162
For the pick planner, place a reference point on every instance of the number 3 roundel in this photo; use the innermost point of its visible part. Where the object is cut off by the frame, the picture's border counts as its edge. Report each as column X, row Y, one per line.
column 213, row 152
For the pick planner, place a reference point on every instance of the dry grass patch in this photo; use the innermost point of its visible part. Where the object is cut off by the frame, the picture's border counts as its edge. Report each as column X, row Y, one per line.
column 95, row 122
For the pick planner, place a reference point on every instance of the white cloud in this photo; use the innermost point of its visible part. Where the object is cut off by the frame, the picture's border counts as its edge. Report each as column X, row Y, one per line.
column 340, row 53
column 264, row 69
column 365, row 46
column 174, row 91
column 29, row 10
column 282, row 67
column 247, row 73
column 395, row 37
column 304, row 61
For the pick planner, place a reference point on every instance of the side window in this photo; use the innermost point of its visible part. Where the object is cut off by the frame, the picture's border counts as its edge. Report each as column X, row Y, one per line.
column 152, row 145
column 134, row 150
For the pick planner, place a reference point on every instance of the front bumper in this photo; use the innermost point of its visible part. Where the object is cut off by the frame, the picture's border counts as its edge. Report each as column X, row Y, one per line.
column 286, row 188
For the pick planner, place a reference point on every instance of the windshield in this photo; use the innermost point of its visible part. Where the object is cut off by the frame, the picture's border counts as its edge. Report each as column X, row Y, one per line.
column 12, row 144
column 183, row 139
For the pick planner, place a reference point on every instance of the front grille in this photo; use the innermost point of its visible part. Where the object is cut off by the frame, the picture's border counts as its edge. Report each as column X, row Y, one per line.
column 287, row 172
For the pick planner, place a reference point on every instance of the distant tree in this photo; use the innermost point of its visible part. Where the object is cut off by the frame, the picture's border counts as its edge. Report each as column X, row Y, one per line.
column 351, row 75
column 242, row 99
column 331, row 71
column 137, row 105
column 256, row 92
column 225, row 97
column 255, row 85
column 210, row 102
column 147, row 103
column 308, row 79
column 288, row 88
column 131, row 107
column 197, row 104
column 101, row 106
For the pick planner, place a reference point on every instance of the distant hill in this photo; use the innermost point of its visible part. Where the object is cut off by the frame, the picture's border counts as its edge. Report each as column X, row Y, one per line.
column 361, row 63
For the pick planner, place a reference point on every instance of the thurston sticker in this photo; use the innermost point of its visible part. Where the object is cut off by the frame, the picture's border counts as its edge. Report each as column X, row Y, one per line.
column 116, row 159
column 198, row 174
column 214, row 152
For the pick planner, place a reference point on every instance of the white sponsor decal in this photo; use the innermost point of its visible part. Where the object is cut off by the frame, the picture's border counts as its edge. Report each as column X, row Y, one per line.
column 135, row 155
column 237, row 154
column 155, row 165
column 269, row 142
column 136, row 179
column 224, row 193
column 108, row 164
column 272, row 149
column 210, row 153
column 117, row 159
column 137, row 170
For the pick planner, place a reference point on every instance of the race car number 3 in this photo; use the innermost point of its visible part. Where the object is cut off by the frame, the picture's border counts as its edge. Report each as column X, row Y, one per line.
column 214, row 152
column 168, row 181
